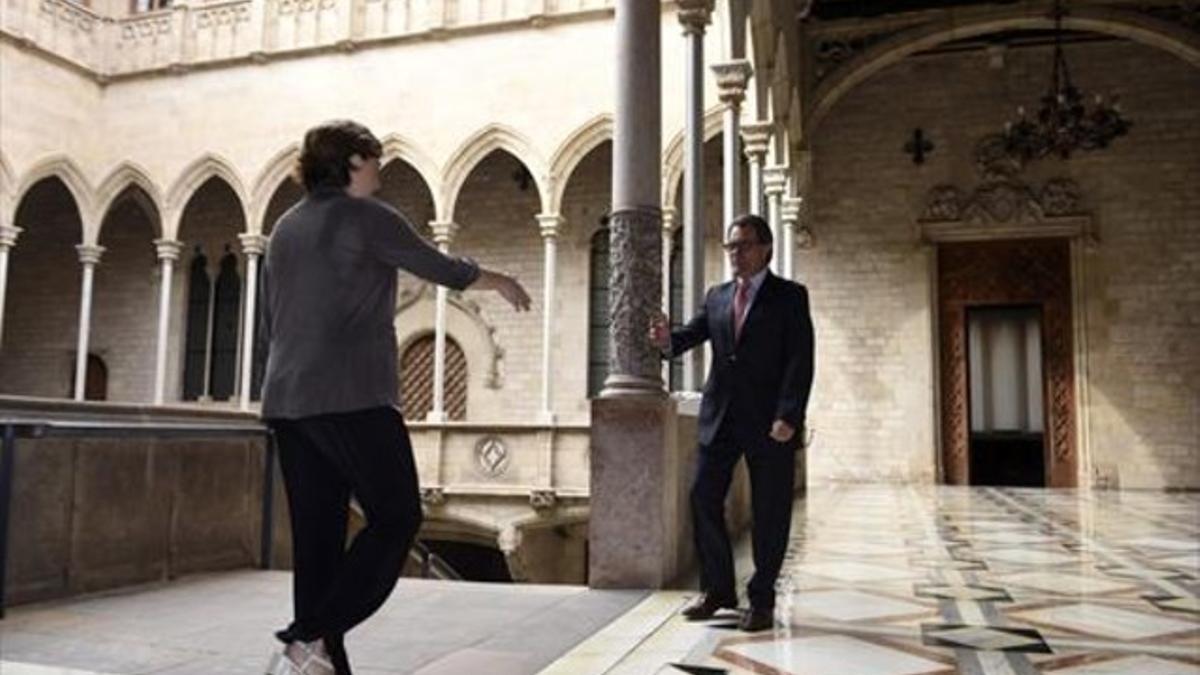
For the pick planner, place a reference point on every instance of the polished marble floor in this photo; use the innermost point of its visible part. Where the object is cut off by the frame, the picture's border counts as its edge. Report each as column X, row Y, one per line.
column 884, row 580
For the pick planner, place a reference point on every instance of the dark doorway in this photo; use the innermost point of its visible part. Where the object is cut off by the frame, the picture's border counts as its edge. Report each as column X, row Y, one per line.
column 471, row 561
column 1007, row 444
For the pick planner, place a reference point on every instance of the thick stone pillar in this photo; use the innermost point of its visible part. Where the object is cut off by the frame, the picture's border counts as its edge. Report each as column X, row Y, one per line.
column 443, row 234
column 168, row 252
column 549, row 224
column 89, row 257
column 732, row 78
column 694, row 16
column 8, row 239
column 634, row 526
column 756, row 139
column 253, row 245
column 774, row 184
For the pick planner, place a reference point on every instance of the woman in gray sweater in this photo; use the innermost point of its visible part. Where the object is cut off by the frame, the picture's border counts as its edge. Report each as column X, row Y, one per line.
column 330, row 389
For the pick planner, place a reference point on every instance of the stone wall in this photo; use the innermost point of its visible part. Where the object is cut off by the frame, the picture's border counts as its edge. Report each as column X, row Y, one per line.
column 874, row 406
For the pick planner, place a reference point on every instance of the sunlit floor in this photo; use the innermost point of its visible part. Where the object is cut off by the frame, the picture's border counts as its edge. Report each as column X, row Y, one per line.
column 907, row 580
column 880, row 580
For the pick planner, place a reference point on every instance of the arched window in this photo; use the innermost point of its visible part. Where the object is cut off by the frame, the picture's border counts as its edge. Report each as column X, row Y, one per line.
column 195, row 352
column 675, row 303
column 211, row 341
column 416, row 379
column 95, row 382
column 598, row 319
column 225, row 328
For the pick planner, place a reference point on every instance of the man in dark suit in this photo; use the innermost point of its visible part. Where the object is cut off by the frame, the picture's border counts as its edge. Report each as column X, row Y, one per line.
column 754, row 405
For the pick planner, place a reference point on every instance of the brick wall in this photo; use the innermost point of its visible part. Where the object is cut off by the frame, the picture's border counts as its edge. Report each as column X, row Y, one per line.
column 874, row 407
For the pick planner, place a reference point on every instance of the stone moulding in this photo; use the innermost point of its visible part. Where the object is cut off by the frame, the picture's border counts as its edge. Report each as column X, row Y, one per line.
column 1006, row 209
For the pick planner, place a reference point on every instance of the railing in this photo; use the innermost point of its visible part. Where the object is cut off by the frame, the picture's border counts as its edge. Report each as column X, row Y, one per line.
column 186, row 35
column 116, row 494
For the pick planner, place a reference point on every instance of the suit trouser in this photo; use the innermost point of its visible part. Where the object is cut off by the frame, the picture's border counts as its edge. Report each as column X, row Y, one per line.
column 772, row 477
column 325, row 459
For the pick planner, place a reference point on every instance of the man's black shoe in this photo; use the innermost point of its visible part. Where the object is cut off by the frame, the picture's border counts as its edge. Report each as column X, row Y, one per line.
column 756, row 619
column 706, row 606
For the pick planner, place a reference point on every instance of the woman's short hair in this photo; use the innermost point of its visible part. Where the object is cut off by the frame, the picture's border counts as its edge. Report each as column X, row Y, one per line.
column 325, row 157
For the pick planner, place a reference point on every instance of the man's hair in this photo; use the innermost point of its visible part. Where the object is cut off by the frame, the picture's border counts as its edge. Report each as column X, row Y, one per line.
column 325, row 159
column 762, row 230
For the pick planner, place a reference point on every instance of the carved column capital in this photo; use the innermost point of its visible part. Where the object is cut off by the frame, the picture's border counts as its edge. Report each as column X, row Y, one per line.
column 8, row 236
column 89, row 254
column 168, row 249
column 789, row 211
column 443, row 232
column 756, row 137
column 732, row 79
column 668, row 220
column 775, row 179
column 695, row 15
column 549, row 224
column 253, row 244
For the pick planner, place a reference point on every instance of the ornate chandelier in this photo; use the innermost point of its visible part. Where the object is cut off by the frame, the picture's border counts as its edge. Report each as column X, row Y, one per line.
column 1064, row 124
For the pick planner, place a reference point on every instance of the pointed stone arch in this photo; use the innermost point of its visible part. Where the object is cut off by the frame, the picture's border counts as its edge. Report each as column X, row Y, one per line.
column 7, row 195
column 399, row 147
column 124, row 176
column 594, row 133
column 1126, row 24
column 190, row 179
column 64, row 169
column 277, row 169
column 673, row 155
column 475, row 149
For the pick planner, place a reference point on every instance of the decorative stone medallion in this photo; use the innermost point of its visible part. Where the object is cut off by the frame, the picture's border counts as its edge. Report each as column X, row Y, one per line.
column 492, row 455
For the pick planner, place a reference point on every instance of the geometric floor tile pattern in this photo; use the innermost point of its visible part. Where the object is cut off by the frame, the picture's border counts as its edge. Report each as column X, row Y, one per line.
column 886, row 580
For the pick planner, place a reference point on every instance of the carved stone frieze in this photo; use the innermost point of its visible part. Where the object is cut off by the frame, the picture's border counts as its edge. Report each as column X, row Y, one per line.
column 70, row 14
column 145, row 29
column 830, row 52
column 634, row 290
column 227, row 15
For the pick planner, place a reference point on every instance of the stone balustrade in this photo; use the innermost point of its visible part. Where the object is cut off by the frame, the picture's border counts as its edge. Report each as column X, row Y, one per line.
column 189, row 35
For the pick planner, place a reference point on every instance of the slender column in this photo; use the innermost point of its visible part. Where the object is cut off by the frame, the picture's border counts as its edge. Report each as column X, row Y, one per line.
column 253, row 245
column 668, row 233
column 549, row 225
column 774, row 183
column 732, row 78
column 168, row 252
column 756, row 139
column 694, row 16
column 637, row 215
column 789, row 215
column 443, row 234
column 8, row 239
column 89, row 257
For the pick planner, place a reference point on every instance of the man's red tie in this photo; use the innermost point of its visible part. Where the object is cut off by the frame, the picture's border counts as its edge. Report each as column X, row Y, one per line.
column 741, row 300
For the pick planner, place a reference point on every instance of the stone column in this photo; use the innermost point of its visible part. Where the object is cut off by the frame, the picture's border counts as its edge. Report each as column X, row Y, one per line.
column 168, row 252
column 789, row 215
column 732, row 77
column 774, row 183
column 443, row 234
column 253, row 245
column 694, row 15
column 8, row 239
column 89, row 257
column 635, row 521
column 756, row 139
column 549, row 224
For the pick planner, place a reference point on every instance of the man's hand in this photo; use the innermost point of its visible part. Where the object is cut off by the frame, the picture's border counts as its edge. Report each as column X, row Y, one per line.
column 782, row 432
column 659, row 332
column 508, row 288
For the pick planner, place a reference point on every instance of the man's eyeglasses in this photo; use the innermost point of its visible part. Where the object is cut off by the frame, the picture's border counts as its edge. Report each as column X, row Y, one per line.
column 740, row 246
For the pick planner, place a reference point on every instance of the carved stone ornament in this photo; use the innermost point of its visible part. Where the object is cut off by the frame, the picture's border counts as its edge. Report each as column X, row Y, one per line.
column 829, row 53
column 542, row 499
column 433, row 496
column 492, row 456
column 634, row 289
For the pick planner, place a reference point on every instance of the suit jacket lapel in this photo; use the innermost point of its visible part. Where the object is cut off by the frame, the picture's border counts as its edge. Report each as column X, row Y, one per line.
column 725, row 312
column 762, row 297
